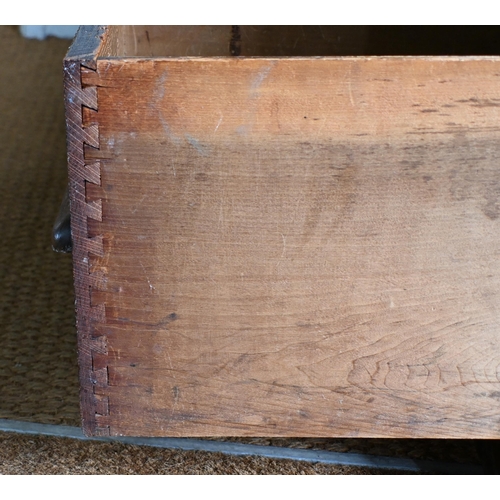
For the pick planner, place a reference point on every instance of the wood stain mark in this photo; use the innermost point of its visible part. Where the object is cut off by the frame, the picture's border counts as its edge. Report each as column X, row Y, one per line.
column 492, row 209
column 200, row 148
column 201, row 176
column 480, row 103
column 168, row 319
column 235, row 41
column 176, row 392
column 149, row 43
column 261, row 76
column 162, row 322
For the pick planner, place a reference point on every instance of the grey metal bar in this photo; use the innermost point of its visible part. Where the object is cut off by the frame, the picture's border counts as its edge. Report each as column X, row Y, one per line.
column 241, row 449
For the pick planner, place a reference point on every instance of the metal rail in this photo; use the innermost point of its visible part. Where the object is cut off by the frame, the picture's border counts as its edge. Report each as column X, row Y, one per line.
column 188, row 444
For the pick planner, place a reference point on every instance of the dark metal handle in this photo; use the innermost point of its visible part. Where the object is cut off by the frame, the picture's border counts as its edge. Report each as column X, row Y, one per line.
column 61, row 231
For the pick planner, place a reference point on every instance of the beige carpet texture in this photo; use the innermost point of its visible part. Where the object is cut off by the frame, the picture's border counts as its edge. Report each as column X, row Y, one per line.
column 38, row 349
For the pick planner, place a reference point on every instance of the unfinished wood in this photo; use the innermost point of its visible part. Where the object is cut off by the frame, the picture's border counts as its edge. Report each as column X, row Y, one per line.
column 296, row 247
column 294, row 41
column 303, row 40
column 158, row 41
column 213, row 41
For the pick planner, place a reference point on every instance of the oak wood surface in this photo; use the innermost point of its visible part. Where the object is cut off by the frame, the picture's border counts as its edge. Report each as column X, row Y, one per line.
column 304, row 247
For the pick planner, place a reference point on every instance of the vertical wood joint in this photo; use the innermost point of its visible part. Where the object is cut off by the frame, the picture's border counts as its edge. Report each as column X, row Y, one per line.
column 82, row 126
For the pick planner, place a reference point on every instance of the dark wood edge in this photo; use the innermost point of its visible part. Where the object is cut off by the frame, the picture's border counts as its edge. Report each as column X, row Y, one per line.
column 86, row 45
column 92, row 345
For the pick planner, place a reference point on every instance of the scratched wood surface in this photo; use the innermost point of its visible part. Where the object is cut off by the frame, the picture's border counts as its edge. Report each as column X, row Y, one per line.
column 296, row 247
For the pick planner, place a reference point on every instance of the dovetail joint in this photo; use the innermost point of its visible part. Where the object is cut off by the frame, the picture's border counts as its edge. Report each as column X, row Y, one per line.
column 81, row 102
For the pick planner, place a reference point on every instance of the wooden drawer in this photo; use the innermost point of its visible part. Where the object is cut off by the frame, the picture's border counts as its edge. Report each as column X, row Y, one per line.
column 277, row 234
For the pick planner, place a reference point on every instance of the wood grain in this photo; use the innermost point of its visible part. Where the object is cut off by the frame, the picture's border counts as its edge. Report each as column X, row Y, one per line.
column 294, row 41
column 83, row 132
column 217, row 41
column 295, row 247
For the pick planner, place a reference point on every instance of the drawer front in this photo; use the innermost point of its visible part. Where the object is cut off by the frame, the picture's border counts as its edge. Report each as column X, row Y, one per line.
column 289, row 247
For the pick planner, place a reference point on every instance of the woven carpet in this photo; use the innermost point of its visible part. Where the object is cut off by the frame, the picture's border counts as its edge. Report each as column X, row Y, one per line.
column 38, row 360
